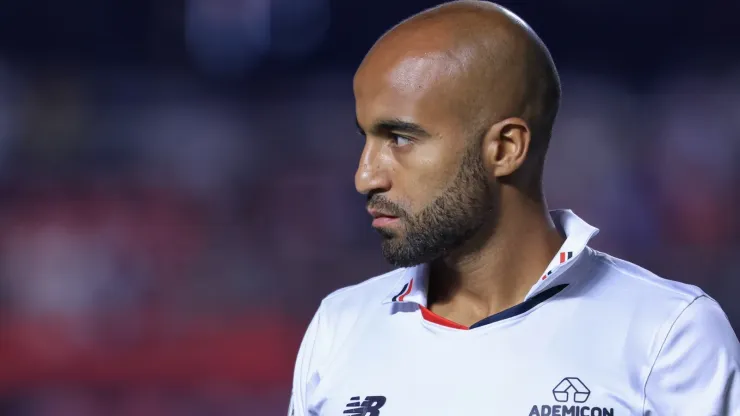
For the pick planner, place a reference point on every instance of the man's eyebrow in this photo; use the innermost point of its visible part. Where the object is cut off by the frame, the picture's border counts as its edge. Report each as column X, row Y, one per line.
column 397, row 126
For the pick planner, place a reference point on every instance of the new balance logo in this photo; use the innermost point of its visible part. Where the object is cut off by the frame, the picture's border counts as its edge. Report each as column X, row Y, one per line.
column 571, row 388
column 368, row 407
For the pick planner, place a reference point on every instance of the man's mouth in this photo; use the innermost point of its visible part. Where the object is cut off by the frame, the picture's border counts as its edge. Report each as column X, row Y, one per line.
column 382, row 219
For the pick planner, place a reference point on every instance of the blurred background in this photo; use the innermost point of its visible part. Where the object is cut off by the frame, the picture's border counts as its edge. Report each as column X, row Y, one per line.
column 176, row 181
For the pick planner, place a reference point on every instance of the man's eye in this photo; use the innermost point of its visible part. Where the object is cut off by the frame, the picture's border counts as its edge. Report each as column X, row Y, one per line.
column 400, row 140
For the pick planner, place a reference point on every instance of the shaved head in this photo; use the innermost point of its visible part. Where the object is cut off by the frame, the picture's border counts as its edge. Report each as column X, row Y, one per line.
column 495, row 64
column 456, row 103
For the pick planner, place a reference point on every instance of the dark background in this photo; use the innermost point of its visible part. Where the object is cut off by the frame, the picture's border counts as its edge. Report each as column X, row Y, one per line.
column 176, row 181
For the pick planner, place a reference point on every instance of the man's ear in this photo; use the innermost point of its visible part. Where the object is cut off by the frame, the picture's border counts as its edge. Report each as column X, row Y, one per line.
column 505, row 146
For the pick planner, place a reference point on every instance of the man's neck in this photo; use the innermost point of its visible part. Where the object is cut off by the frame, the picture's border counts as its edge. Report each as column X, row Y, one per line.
column 498, row 272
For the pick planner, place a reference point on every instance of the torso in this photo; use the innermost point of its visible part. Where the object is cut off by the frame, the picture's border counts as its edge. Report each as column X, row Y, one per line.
column 507, row 368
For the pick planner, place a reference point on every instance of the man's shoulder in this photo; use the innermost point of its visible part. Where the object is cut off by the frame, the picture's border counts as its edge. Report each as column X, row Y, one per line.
column 649, row 307
column 345, row 310
column 639, row 280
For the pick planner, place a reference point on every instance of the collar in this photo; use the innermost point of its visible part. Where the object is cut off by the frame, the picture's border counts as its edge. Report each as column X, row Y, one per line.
column 412, row 286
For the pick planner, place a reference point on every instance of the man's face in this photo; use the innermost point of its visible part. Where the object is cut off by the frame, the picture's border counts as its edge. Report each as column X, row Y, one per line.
column 421, row 167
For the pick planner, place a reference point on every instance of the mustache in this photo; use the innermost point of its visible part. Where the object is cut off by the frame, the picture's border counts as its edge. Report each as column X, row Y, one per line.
column 382, row 204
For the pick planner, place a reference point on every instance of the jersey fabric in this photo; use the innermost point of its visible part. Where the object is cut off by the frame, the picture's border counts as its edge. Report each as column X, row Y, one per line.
column 595, row 336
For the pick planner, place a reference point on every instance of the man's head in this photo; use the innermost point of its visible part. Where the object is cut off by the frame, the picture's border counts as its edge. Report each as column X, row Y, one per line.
column 457, row 104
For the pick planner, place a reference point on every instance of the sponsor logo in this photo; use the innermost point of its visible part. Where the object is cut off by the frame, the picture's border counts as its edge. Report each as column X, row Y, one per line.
column 572, row 393
column 368, row 407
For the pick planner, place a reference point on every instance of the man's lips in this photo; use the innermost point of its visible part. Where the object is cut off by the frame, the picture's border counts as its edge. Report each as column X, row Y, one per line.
column 382, row 219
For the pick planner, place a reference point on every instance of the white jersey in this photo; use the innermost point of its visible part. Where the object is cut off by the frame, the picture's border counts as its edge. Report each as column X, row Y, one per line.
column 595, row 336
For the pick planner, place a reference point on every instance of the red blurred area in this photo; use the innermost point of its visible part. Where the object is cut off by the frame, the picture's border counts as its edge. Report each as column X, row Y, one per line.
column 101, row 292
column 255, row 352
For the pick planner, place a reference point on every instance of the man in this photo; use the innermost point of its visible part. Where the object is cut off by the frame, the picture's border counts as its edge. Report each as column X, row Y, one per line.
column 498, row 306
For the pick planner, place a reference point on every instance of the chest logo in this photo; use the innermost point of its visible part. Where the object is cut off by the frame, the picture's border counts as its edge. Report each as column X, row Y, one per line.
column 368, row 407
column 571, row 388
column 572, row 395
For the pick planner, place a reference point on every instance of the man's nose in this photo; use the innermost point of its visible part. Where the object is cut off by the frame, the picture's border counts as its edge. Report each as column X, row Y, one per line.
column 372, row 175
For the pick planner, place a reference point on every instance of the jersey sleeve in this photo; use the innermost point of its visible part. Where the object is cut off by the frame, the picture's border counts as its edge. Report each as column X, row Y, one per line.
column 697, row 370
column 306, row 375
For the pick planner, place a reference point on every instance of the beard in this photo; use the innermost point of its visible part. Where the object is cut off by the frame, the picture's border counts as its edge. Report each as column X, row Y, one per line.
column 446, row 224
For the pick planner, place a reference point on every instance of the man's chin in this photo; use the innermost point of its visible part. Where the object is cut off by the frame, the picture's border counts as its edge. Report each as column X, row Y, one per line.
column 399, row 256
column 387, row 233
column 400, row 262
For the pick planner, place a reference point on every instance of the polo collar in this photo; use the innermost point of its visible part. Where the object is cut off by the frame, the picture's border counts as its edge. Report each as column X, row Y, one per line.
column 413, row 284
